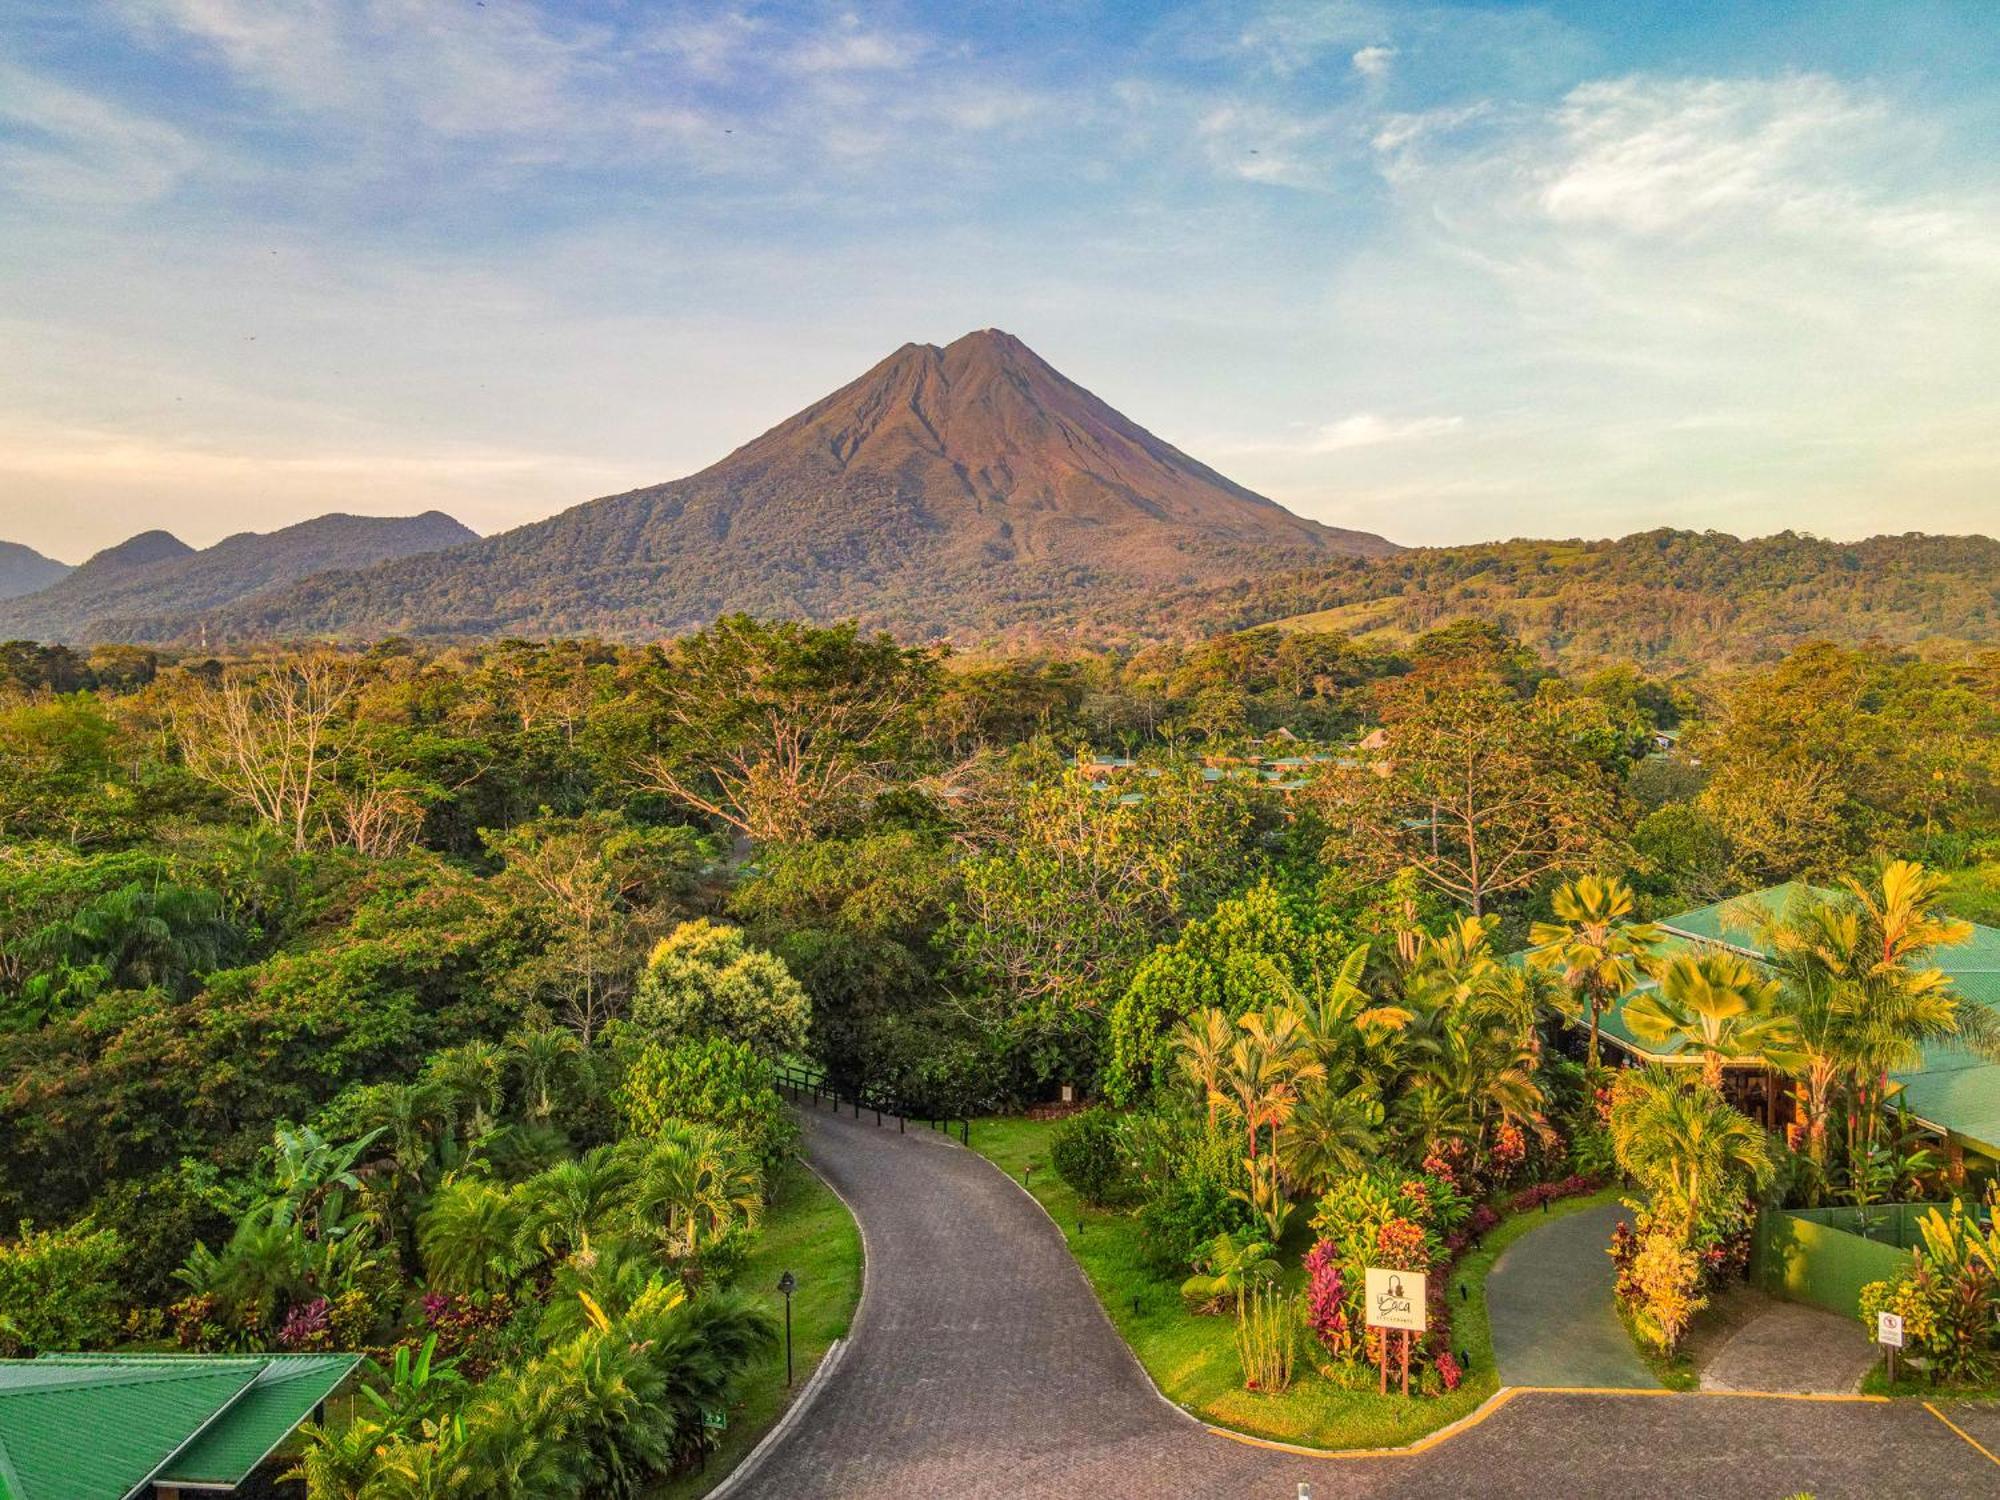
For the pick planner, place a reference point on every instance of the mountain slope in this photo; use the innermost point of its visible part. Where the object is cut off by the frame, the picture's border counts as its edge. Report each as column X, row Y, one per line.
column 1666, row 599
column 155, row 587
column 23, row 570
column 957, row 490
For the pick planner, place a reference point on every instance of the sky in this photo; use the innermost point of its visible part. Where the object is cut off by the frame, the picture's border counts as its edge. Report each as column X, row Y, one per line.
column 1446, row 273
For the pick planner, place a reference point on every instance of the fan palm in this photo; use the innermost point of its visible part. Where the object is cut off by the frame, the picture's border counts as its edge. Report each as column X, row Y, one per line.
column 1594, row 945
column 1719, row 1004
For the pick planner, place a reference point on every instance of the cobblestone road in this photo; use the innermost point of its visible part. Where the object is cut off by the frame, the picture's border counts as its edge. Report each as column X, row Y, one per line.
column 982, row 1368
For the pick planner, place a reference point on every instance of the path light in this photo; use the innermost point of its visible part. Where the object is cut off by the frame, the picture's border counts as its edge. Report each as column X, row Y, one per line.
column 787, row 1284
column 1305, row 1490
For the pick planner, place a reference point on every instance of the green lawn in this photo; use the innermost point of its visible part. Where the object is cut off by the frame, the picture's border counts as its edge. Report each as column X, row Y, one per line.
column 809, row 1232
column 1193, row 1359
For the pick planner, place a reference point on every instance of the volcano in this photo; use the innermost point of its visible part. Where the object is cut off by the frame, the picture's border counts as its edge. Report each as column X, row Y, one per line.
column 969, row 490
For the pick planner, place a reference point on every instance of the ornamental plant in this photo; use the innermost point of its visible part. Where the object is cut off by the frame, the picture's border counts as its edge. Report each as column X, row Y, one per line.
column 1267, row 1340
column 1086, row 1153
column 1326, row 1300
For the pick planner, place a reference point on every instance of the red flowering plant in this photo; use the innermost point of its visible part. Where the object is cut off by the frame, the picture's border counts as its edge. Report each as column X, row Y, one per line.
column 1402, row 1245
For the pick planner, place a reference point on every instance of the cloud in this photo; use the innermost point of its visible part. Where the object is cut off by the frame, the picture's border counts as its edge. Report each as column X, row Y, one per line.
column 1364, row 429
column 1373, row 62
column 61, row 144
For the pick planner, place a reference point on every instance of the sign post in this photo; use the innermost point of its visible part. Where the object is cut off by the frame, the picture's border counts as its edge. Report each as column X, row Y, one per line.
column 1889, row 1334
column 1395, row 1304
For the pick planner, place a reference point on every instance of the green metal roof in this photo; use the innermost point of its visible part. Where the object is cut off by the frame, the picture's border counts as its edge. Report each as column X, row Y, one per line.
column 103, row 1431
column 286, row 1389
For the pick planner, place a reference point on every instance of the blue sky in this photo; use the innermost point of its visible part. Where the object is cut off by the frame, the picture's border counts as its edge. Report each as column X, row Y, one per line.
column 1447, row 273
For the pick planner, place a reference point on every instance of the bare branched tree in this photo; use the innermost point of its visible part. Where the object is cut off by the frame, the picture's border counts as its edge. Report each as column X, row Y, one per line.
column 262, row 736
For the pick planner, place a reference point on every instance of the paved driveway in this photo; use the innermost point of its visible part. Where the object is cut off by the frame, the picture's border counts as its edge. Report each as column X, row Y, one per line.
column 1555, row 1319
column 982, row 1368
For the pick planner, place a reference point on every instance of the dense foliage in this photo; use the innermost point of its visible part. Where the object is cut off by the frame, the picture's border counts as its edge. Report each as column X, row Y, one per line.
column 349, row 999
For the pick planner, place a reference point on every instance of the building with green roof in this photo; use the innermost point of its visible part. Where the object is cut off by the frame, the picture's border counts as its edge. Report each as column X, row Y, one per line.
column 114, row 1426
column 1953, row 1092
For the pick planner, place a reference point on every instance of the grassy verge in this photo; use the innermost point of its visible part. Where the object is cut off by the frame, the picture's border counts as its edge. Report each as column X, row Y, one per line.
column 1915, row 1384
column 1193, row 1359
column 809, row 1232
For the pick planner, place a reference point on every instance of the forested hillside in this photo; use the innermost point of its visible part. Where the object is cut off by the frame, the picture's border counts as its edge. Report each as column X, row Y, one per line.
column 1665, row 598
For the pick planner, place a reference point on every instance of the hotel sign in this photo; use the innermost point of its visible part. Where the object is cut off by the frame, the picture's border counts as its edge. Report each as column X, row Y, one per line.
column 1395, row 1299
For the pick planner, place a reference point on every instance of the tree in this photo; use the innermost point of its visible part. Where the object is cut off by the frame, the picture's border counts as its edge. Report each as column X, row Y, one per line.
column 704, row 980
column 1717, row 1004
column 264, row 736
column 1593, row 944
column 784, row 731
column 1478, row 792
column 1253, row 950
column 600, row 887
column 1684, row 1145
column 691, row 1184
column 1062, row 901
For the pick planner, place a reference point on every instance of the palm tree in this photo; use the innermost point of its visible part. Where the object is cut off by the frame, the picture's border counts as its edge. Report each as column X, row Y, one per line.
column 1718, row 1003
column 564, row 1205
column 1899, row 1001
column 1270, row 1059
column 543, row 1062
column 1331, row 1134
column 469, row 1077
column 692, row 1184
column 1682, row 1143
column 1203, row 1050
column 471, row 1236
column 1593, row 945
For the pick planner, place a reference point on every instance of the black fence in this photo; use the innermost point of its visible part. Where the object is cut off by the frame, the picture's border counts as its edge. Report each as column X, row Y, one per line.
column 803, row 1085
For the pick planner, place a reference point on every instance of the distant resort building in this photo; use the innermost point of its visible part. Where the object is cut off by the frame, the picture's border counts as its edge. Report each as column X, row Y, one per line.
column 1953, row 1094
column 126, row 1426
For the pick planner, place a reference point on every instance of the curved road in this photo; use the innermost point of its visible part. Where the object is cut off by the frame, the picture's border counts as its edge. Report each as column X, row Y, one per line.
column 982, row 1368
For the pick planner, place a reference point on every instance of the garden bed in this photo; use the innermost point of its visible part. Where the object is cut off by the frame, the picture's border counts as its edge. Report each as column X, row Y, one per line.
column 809, row 1232
column 1193, row 1359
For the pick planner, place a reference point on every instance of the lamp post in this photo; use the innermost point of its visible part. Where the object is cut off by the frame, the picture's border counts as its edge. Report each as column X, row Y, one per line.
column 787, row 1284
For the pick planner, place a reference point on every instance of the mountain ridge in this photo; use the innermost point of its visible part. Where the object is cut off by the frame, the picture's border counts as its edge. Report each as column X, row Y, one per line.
column 23, row 570
column 154, row 587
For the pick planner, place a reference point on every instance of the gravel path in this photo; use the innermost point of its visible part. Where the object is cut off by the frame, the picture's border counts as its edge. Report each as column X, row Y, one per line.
column 982, row 1368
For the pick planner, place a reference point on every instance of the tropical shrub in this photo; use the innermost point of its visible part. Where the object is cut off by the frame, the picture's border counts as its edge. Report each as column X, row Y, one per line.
column 1949, row 1297
column 712, row 1080
column 1194, row 1198
column 1665, row 1278
column 1326, row 1300
column 1087, row 1153
column 59, row 1289
column 1231, row 1265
